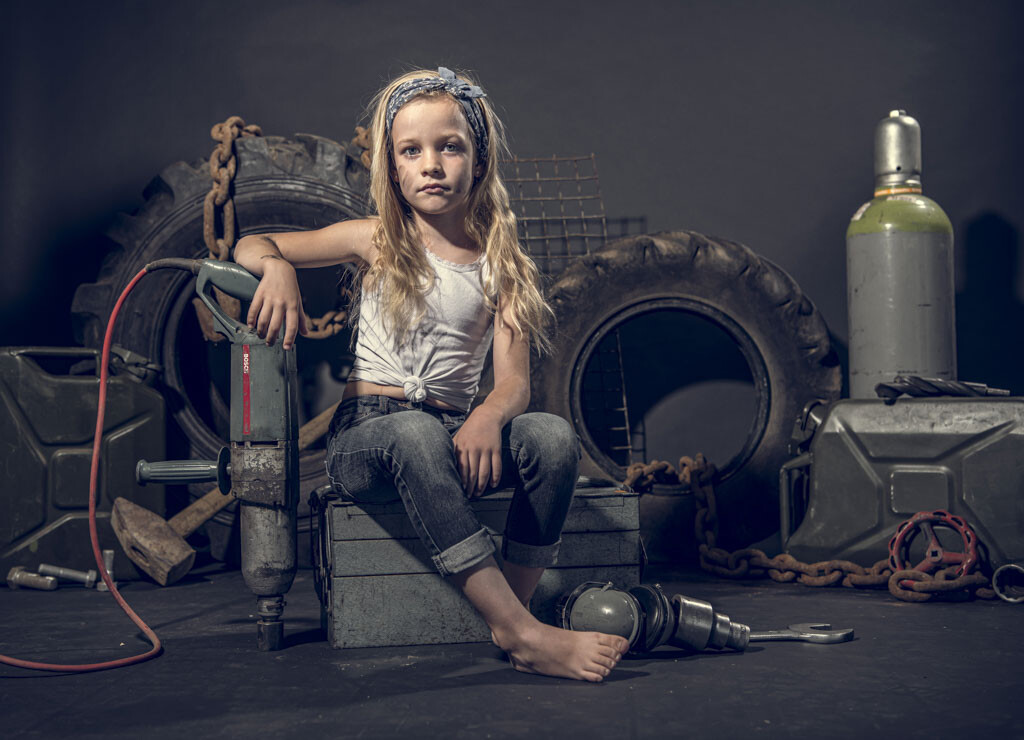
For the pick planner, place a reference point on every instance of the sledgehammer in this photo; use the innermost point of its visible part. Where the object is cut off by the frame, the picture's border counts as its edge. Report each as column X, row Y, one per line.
column 158, row 546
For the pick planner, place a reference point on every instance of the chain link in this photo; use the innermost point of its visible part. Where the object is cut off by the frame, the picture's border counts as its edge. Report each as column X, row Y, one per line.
column 699, row 474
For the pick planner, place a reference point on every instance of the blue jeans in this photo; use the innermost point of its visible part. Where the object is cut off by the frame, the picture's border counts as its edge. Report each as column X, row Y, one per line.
column 380, row 450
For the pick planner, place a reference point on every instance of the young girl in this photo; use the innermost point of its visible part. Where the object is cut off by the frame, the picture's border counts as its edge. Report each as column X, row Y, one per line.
column 442, row 278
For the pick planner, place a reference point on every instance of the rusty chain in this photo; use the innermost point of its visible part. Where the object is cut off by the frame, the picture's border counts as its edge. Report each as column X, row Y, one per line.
column 364, row 140
column 327, row 325
column 223, row 166
column 699, row 474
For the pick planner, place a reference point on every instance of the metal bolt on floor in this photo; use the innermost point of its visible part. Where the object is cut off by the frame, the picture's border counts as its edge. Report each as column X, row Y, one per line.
column 108, row 565
column 88, row 578
column 18, row 577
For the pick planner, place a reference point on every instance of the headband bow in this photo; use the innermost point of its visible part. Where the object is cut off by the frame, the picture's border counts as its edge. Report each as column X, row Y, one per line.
column 458, row 88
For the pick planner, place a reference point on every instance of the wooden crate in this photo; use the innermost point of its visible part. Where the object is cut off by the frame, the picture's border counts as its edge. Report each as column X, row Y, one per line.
column 378, row 586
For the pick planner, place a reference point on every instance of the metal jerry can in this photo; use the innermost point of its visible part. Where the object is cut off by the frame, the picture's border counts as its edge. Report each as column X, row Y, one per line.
column 865, row 466
column 899, row 258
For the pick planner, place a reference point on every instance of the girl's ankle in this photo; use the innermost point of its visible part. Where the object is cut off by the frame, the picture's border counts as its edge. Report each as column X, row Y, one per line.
column 512, row 636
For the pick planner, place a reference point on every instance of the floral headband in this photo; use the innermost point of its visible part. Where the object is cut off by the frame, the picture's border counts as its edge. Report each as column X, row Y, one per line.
column 458, row 88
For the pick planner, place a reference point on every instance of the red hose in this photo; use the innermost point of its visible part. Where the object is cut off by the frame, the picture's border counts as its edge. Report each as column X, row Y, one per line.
column 93, row 536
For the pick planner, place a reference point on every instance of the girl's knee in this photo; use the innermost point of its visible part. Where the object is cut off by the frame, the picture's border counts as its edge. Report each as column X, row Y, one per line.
column 551, row 436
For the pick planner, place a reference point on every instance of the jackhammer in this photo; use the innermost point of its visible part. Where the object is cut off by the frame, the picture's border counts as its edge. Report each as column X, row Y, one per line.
column 261, row 467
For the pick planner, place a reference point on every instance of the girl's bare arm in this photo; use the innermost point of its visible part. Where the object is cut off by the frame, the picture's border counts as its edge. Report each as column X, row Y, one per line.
column 478, row 442
column 277, row 303
column 345, row 241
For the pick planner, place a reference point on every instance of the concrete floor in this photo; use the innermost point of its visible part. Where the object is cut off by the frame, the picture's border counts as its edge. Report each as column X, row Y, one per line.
column 914, row 670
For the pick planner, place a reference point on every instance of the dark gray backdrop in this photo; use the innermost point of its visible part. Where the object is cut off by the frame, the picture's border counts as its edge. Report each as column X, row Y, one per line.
column 747, row 120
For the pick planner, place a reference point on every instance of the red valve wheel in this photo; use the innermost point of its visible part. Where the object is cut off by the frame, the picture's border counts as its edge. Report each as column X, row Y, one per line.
column 936, row 556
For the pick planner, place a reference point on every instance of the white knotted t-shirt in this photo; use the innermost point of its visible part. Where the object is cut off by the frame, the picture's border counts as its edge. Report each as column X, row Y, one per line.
column 440, row 358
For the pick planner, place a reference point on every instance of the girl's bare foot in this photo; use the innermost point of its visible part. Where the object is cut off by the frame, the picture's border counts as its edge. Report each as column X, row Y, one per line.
column 587, row 656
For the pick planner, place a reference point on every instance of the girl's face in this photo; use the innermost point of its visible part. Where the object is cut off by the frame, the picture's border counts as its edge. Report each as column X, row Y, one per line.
column 432, row 148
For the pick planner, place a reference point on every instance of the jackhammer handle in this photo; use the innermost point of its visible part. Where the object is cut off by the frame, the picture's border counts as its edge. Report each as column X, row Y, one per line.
column 231, row 278
column 187, row 471
column 176, row 471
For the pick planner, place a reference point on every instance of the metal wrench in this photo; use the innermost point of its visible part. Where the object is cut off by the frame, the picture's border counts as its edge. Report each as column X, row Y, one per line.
column 819, row 632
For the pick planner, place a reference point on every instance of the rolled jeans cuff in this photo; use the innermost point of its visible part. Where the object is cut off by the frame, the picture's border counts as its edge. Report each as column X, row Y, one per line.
column 465, row 554
column 530, row 556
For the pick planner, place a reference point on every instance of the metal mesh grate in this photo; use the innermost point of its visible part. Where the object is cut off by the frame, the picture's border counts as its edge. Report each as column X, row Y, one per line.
column 558, row 205
column 603, row 397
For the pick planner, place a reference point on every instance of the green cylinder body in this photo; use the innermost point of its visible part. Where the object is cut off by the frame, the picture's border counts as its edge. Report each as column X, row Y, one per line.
column 900, row 292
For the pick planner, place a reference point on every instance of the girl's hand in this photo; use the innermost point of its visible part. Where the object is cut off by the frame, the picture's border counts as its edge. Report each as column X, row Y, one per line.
column 478, row 450
column 277, row 303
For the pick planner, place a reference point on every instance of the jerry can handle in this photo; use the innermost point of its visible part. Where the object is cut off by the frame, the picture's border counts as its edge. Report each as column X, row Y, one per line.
column 786, row 474
column 84, row 354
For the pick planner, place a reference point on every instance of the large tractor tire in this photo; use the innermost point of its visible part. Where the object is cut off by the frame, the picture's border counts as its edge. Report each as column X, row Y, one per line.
column 280, row 184
column 781, row 335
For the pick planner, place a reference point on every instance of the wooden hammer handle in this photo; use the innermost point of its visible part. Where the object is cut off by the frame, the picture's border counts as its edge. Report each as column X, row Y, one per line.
column 316, row 427
column 189, row 519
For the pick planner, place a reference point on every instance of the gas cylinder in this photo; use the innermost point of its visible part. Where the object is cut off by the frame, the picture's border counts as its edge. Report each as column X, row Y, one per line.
column 899, row 262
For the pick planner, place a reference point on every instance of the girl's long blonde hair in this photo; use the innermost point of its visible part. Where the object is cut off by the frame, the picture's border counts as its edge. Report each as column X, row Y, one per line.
column 401, row 271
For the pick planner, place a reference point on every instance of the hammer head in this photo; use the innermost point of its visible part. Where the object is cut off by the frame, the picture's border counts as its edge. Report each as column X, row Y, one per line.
column 150, row 542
